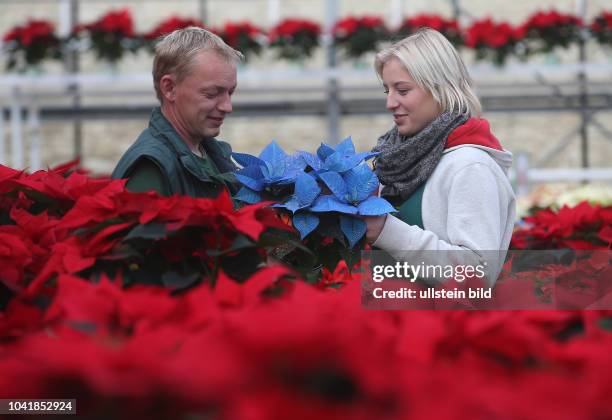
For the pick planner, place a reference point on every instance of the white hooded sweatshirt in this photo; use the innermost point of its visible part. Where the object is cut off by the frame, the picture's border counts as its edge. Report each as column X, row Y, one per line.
column 468, row 205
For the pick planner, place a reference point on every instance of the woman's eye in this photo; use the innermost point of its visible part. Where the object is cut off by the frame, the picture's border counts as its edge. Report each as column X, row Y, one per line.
column 386, row 91
column 402, row 91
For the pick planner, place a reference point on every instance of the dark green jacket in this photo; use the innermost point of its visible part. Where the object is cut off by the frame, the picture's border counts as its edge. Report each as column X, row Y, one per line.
column 162, row 145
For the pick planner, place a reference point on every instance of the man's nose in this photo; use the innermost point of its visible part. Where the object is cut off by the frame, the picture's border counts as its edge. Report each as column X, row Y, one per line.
column 225, row 104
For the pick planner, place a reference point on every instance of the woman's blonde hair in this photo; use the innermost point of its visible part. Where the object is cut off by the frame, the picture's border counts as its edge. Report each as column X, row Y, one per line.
column 177, row 50
column 434, row 64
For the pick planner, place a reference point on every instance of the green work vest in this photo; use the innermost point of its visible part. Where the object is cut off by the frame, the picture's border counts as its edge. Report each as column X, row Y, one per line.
column 411, row 210
column 184, row 172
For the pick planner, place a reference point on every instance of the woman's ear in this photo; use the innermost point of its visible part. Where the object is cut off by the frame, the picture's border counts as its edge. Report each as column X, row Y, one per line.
column 167, row 86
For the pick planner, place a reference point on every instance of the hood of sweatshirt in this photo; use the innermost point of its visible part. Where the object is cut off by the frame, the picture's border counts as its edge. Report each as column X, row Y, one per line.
column 476, row 132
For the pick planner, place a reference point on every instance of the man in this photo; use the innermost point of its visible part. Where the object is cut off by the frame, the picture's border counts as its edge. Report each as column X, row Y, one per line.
column 194, row 75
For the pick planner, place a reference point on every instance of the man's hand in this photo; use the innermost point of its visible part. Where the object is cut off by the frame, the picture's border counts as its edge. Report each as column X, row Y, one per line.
column 374, row 226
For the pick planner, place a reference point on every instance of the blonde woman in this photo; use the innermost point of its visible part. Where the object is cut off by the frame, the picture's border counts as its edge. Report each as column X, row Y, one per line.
column 440, row 165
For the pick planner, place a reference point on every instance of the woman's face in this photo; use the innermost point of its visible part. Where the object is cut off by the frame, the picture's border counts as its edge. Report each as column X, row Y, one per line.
column 413, row 108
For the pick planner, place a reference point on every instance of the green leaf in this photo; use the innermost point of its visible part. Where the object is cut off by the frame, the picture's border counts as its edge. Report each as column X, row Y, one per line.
column 95, row 229
column 606, row 323
column 178, row 281
column 149, row 231
column 240, row 243
column 242, row 266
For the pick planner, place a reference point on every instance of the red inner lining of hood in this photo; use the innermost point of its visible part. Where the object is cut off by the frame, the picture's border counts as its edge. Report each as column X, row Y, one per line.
column 475, row 131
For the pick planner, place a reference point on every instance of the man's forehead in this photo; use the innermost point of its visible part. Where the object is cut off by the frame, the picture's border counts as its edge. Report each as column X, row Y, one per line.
column 213, row 57
column 214, row 72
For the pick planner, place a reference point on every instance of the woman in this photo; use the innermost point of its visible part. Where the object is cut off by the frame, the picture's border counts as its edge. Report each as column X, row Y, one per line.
column 440, row 165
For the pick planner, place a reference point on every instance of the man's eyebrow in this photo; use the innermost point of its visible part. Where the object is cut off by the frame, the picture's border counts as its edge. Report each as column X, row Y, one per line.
column 220, row 88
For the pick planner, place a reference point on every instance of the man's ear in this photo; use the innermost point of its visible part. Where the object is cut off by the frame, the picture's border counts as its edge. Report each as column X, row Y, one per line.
column 167, row 86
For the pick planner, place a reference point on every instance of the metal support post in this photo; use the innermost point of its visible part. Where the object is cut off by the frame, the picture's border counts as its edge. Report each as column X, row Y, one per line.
column 34, row 135
column 333, row 100
column 274, row 12
column 203, row 11
column 16, row 132
column 72, row 66
column 522, row 173
column 396, row 13
column 582, row 79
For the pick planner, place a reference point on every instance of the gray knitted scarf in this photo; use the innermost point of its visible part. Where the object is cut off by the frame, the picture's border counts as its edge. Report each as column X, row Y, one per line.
column 405, row 163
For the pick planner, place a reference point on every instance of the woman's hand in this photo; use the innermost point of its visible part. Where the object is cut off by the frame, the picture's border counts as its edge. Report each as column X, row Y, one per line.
column 374, row 226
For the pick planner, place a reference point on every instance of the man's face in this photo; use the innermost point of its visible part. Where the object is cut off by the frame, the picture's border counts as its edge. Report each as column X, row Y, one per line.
column 203, row 98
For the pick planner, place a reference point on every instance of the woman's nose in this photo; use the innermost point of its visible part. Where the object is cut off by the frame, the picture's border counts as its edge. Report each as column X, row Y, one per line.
column 391, row 102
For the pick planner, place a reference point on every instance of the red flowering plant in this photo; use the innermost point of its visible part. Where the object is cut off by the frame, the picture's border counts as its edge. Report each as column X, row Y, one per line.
column 493, row 40
column 55, row 224
column 167, row 26
column 601, row 28
column 545, row 31
column 111, row 35
column 447, row 27
column 31, row 43
column 295, row 39
column 359, row 35
column 584, row 226
column 204, row 353
column 244, row 37
column 147, row 352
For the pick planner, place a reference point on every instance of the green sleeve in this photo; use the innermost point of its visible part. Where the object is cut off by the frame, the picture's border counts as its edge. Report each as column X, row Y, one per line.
column 147, row 176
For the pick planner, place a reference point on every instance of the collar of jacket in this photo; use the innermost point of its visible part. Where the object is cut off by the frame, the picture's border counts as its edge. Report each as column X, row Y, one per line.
column 189, row 161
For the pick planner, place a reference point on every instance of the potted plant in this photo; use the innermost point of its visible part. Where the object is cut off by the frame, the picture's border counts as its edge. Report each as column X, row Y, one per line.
column 545, row 31
column 167, row 26
column 359, row 35
column 492, row 40
column 447, row 27
column 601, row 28
column 29, row 44
column 322, row 195
column 244, row 37
column 111, row 36
column 295, row 39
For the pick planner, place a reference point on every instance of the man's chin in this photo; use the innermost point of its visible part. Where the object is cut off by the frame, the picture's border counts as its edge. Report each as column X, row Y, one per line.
column 213, row 132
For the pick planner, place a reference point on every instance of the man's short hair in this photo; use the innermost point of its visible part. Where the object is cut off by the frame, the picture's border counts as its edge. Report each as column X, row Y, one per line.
column 434, row 65
column 176, row 51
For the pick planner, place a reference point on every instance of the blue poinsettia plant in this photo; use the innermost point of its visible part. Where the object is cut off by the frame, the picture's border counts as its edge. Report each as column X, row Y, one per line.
column 323, row 194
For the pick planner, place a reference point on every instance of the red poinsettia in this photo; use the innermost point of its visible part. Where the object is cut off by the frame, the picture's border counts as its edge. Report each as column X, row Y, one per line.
column 601, row 28
column 31, row 43
column 496, row 40
column 171, row 24
column 111, row 35
column 581, row 227
column 447, row 27
column 120, row 231
column 243, row 36
column 194, row 353
column 295, row 39
column 359, row 35
column 273, row 346
column 544, row 31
